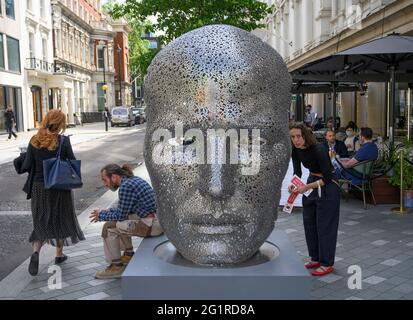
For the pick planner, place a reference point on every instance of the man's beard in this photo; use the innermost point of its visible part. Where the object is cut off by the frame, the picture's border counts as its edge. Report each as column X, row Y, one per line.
column 113, row 188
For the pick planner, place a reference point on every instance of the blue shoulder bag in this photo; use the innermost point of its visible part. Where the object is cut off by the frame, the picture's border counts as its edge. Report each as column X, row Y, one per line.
column 61, row 174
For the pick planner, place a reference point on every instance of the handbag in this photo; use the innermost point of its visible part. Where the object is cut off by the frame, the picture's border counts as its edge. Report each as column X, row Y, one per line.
column 62, row 174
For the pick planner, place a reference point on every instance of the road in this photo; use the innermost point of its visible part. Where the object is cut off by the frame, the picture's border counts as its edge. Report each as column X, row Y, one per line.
column 123, row 146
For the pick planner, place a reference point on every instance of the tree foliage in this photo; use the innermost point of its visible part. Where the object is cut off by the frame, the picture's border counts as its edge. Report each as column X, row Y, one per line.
column 140, row 56
column 176, row 17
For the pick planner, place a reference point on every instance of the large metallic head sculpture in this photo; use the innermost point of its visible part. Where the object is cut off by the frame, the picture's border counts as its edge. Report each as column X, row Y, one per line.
column 217, row 145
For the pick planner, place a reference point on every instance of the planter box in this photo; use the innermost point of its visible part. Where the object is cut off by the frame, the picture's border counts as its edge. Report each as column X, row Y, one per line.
column 384, row 192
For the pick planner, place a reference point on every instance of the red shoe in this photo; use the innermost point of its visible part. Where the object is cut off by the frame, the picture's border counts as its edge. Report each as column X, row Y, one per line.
column 312, row 264
column 321, row 271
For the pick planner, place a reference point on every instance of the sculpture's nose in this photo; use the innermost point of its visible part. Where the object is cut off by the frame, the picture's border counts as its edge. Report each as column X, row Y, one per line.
column 217, row 177
column 217, row 180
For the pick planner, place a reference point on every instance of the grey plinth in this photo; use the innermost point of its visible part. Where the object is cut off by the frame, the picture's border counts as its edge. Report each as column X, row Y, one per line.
column 149, row 277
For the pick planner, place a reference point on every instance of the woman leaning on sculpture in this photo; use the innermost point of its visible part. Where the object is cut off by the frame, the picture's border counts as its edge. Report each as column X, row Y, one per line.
column 53, row 212
column 322, row 207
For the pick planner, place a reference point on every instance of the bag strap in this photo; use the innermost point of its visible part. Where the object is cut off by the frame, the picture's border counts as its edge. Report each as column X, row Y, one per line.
column 60, row 146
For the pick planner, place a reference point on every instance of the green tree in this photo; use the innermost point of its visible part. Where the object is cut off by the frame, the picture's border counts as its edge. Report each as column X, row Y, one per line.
column 140, row 56
column 176, row 17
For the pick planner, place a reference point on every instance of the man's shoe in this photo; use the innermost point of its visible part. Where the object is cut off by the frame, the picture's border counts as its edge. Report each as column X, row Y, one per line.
column 321, row 271
column 58, row 260
column 111, row 272
column 312, row 264
column 34, row 264
column 126, row 259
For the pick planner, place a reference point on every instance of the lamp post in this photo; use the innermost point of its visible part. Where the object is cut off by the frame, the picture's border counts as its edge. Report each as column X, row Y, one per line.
column 119, row 49
column 105, row 88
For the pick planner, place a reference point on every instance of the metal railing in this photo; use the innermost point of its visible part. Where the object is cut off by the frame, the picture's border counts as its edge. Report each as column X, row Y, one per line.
column 63, row 68
column 37, row 64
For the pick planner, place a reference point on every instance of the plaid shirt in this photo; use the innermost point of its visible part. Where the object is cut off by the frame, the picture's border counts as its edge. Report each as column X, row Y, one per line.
column 135, row 196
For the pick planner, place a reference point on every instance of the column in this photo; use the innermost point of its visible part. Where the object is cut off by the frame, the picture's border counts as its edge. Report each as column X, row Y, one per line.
column 308, row 21
column 334, row 8
column 297, row 41
column 64, row 100
column 70, row 109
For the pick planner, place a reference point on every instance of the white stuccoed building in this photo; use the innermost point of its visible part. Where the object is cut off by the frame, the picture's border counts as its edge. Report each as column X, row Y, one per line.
column 303, row 31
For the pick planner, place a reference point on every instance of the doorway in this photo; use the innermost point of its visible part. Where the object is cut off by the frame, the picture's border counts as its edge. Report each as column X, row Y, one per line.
column 37, row 105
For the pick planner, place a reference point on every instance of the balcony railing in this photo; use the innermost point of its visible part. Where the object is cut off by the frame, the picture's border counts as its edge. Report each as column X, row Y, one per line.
column 40, row 65
column 63, row 68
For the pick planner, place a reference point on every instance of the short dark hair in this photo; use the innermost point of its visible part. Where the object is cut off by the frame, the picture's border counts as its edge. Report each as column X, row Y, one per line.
column 309, row 138
column 113, row 168
column 366, row 133
column 325, row 133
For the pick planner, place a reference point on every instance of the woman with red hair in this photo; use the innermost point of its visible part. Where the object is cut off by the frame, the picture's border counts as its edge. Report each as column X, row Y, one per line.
column 53, row 212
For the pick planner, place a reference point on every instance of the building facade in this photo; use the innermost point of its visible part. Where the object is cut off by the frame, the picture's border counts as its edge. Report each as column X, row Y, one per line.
column 122, row 69
column 11, row 63
column 303, row 31
column 83, row 57
column 37, row 50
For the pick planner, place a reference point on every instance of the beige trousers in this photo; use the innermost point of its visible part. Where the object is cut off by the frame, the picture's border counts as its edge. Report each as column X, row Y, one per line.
column 117, row 235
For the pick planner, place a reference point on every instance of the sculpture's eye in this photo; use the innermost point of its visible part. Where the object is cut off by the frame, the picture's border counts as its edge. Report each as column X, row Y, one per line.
column 253, row 140
column 181, row 141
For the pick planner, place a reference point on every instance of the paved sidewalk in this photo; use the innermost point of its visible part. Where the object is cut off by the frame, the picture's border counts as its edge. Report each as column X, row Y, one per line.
column 378, row 241
column 9, row 149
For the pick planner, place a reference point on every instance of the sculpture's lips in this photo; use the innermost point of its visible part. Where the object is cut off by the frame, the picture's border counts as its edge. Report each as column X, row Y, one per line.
column 213, row 229
column 208, row 224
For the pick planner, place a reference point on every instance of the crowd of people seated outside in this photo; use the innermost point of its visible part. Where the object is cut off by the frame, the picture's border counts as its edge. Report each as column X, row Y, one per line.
column 347, row 151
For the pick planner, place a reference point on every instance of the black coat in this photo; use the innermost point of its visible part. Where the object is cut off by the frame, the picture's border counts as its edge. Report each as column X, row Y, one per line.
column 23, row 164
column 9, row 118
column 340, row 148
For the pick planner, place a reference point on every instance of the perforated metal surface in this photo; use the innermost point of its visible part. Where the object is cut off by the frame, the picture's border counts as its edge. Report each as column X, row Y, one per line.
column 217, row 77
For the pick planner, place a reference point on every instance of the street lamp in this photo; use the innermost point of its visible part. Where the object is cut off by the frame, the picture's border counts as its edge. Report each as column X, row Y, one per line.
column 105, row 88
column 119, row 50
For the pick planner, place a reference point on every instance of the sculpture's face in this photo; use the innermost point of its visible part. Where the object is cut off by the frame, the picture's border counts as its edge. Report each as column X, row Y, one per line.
column 217, row 209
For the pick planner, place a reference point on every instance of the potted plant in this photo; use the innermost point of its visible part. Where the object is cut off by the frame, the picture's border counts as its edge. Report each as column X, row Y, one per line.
column 384, row 192
column 407, row 180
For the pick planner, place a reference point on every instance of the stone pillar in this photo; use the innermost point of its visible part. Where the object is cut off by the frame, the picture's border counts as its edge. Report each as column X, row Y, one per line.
column 64, row 100
column 307, row 22
column 347, row 107
column 70, row 109
column 296, row 34
column 334, row 8
column 376, row 107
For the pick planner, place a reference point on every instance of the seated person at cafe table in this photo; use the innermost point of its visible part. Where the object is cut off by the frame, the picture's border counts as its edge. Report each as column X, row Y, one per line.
column 368, row 151
column 334, row 147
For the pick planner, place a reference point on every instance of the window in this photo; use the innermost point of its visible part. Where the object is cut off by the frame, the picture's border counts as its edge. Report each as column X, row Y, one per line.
column 153, row 44
column 42, row 9
column 29, row 4
column 13, row 53
column 10, row 8
column 81, row 12
column 31, row 46
column 101, row 58
column 75, row 6
column 1, row 52
column 44, row 45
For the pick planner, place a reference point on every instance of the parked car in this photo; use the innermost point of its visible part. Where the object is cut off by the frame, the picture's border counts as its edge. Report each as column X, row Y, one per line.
column 139, row 115
column 121, row 116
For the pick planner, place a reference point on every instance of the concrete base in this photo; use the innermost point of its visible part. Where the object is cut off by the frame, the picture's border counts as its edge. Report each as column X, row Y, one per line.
column 148, row 277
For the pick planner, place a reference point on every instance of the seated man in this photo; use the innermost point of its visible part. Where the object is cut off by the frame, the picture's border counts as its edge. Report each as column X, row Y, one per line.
column 368, row 151
column 135, row 215
column 335, row 147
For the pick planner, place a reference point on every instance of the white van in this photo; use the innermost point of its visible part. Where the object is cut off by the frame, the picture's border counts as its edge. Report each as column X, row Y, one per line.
column 121, row 115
